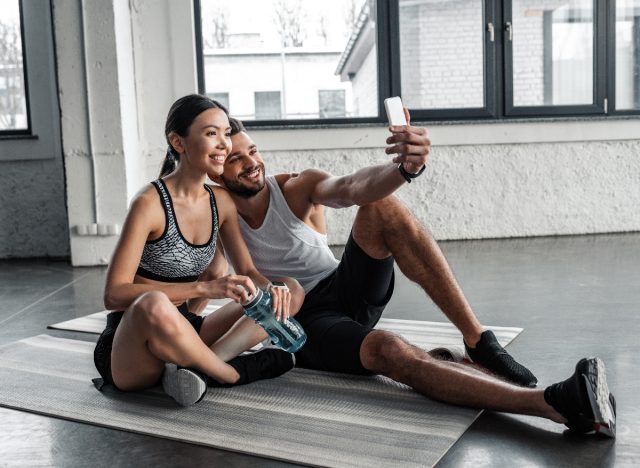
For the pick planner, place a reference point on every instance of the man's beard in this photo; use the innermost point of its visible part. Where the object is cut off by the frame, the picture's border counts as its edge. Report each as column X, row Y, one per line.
column 242, row 190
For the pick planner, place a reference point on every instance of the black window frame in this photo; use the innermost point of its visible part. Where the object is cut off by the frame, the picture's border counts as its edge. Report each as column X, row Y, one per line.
column 22, row 132
column 498, row 67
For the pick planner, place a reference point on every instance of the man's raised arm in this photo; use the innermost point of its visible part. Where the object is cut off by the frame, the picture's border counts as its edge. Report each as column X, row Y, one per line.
column 411, row 147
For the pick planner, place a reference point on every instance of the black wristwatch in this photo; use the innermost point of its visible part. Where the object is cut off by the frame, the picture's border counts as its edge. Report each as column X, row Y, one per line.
column 408, row 175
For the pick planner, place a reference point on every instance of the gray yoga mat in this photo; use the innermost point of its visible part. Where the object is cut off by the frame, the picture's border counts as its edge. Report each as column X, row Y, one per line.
column 304, row 416
column 95, row 323
column 428, row 335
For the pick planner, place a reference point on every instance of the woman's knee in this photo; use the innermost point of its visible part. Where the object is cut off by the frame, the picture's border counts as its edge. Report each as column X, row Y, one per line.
column 156, row 312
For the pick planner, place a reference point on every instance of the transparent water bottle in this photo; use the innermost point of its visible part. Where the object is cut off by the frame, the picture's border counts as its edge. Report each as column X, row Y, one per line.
column 287, row 335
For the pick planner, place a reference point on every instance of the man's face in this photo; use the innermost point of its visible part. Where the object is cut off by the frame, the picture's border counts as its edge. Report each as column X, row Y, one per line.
column 243, row 172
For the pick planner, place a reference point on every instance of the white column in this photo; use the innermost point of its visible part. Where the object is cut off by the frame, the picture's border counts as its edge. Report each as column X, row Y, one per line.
column 99, row 119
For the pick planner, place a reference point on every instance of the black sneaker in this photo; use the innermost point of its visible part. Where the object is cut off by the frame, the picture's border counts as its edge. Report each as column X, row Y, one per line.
column 490, row 354
column 265, row 364
column 185, row 386
column 584, row 399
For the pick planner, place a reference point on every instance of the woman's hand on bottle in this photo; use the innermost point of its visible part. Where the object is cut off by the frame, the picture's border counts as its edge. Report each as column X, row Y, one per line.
column 281, row 299
column 235, row 287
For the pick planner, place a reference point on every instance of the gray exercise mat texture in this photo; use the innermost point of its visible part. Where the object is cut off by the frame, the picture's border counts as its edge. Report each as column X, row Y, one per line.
column 96, row 322
column 308, row 417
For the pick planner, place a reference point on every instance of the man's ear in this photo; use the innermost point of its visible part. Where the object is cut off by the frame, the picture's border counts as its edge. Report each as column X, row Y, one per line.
column 176, row 142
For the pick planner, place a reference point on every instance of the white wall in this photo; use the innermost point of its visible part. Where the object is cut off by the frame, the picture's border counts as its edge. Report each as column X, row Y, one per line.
column 495, row 190
column 484, row 180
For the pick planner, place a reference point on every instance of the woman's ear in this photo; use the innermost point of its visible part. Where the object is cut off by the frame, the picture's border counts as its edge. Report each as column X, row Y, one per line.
column 176, row 143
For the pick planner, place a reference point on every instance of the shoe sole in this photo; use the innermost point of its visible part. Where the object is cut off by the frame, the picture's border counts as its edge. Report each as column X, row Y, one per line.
column 599, row 398
column 184, row 386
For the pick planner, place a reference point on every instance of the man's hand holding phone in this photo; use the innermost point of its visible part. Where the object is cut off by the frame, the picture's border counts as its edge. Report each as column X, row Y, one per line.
column 410, row 144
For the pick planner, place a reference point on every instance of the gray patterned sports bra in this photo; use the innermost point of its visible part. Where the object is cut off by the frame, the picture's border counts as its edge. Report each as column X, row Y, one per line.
column 171, row 258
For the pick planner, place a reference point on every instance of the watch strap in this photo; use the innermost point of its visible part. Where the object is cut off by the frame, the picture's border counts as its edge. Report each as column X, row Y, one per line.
column 408, row 176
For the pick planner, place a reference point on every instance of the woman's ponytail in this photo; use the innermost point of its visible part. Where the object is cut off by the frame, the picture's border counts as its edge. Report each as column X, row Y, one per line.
column 170, row 162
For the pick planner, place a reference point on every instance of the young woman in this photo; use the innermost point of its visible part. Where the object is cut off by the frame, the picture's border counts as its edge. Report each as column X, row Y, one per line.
column 167, row 255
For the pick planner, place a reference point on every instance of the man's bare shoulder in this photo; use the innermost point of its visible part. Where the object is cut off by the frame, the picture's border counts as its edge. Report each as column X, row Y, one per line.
column 303, row 181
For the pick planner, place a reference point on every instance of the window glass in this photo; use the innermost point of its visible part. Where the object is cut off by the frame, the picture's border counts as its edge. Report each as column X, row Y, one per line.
column 251, row 48
column 442, row 53
column 222, row 98
column 628, row 54
column 268, row 105
column 552, row 52
column 331, row 103
column 13, row 102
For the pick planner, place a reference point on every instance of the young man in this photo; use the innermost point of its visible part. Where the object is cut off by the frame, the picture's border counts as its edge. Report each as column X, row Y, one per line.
column 282, row 221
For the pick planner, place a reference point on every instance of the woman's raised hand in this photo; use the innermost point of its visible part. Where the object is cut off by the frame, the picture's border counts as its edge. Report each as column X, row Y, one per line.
column 235, row 287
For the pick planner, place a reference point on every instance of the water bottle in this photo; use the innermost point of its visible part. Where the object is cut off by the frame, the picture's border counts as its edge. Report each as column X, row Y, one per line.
column 287, row 335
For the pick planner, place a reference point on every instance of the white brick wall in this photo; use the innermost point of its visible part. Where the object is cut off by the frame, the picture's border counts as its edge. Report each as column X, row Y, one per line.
column 487, row 191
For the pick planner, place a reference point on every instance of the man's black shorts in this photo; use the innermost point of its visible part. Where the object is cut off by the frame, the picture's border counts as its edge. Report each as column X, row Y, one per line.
column 341, row 310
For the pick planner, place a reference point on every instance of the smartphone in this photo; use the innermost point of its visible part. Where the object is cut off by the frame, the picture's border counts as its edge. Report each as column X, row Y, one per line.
column 395, row 112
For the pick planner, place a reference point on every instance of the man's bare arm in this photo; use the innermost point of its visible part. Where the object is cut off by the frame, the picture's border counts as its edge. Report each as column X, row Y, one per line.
column 411, row 147
column 359, row 188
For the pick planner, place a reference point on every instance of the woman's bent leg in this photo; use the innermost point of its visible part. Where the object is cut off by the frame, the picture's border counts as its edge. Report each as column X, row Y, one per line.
column 153, row 332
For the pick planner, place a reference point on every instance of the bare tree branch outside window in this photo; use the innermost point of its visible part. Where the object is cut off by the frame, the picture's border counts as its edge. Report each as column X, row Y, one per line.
column 12, row 97
column 289, row 18
column 322, row 29
column 218, row 37
column 351, row 13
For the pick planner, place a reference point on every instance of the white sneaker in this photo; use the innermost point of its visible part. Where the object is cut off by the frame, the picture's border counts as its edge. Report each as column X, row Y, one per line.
column 185, row 386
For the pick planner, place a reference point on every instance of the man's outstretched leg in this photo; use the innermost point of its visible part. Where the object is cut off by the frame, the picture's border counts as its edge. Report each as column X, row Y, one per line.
column 582, row 402
column 387, row 227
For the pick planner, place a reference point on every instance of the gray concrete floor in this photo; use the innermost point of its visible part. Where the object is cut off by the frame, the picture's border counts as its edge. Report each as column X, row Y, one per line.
column 574, row 296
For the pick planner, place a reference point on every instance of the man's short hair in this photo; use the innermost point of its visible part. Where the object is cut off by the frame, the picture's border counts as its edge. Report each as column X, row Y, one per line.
column 236, row 126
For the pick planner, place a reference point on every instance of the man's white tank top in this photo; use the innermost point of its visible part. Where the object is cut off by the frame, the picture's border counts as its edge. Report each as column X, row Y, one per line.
column 285, row 246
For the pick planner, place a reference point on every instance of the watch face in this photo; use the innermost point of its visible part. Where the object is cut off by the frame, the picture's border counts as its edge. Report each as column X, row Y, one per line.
column 279, row 284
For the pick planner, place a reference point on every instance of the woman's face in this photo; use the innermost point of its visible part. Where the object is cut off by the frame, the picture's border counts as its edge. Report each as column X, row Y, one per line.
column 208, row 142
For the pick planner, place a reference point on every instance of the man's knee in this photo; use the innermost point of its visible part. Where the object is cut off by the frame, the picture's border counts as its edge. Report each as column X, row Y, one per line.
column 156, row 313
column 388, row 216
column 383, row 352
column 380, row 209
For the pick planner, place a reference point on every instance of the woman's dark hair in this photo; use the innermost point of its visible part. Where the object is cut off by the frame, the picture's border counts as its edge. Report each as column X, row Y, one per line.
column 181, row 115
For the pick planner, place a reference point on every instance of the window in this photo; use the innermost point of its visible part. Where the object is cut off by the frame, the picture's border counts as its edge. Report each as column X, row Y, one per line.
column 331, row 103
column 297, row 47
column 454, row 59
column 553, row 54
column 29, row 110
column 627, row 55
column 441, row 66
column 222, row 98
column 13, row 92
column 268, row 105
